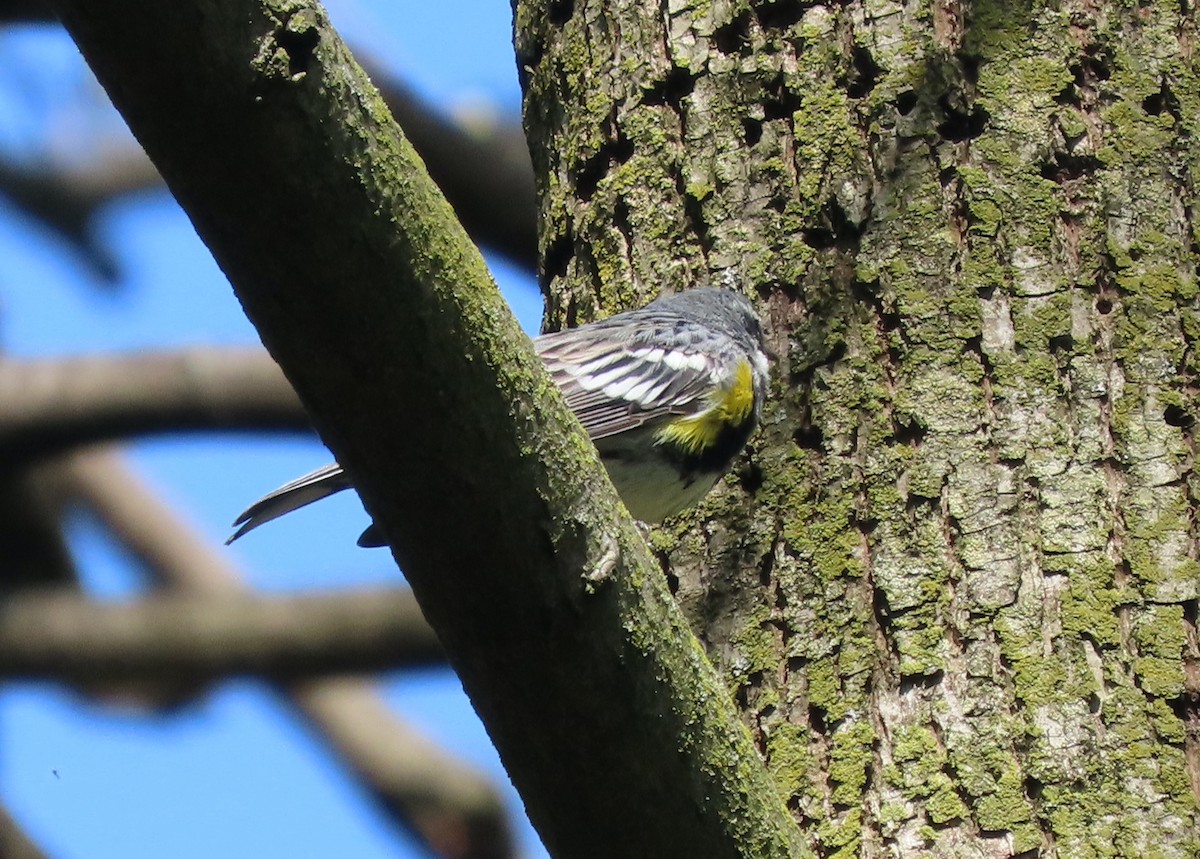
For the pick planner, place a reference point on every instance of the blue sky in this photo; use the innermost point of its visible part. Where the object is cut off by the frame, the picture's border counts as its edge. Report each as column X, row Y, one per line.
column 236, row 775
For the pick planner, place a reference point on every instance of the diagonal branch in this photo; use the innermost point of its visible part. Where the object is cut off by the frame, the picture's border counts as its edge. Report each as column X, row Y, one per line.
column 367, row 291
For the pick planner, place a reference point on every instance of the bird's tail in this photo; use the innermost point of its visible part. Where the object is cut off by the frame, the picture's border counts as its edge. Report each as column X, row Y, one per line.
column 291, row 496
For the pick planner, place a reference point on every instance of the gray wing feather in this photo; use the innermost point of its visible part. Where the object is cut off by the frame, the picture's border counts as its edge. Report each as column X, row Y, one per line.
column 291, row 496
column 653, row 389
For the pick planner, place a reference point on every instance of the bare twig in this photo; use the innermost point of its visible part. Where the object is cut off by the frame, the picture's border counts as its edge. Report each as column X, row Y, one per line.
column 445, row 803
column 52, row 405
column 65, row 197
column 194, row 638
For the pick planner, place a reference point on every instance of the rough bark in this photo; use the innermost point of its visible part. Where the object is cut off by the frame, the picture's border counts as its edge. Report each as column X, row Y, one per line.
column 959, row 603
column 366, row 291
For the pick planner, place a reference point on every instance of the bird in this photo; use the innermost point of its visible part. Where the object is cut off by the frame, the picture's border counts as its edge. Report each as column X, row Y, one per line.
column 669, row 394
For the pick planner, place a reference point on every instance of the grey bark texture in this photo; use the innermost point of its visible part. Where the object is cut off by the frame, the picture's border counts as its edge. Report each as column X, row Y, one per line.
column 954, row 582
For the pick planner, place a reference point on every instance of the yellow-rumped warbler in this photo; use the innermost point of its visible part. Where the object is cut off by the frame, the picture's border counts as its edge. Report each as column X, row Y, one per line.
column 669, row 394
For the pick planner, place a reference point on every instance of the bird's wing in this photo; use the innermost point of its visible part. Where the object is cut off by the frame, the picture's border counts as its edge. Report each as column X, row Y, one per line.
column 614, row 385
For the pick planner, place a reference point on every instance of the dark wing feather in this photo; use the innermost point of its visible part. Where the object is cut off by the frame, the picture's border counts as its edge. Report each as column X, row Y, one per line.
column 615, row 385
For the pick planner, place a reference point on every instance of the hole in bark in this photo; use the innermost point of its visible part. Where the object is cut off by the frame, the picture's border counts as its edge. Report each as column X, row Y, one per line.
column 751, row 131
column 780, row 15
column 1062, row 343
column 809, row 438
column 558, row 254
column 905, row 102
column 561, row 11
column 1104, row 306
column 588, row 177
column 961, row 124
column 1184, row 707
column 734, row 36
column 1068, row 95
column 864, row 72
column 1097, row 66
column 1163, row 101
column 299, row 45
column 766, row 570
column 1175, row 416
column 1065, row 167
column 751, row 478
column 693, row 212
column 671, row 90
column 835, row 229
column 622, row 149
column 782, row 103
column 908, row 431
column 909, row 682
column 672, row 579
column 970, row 67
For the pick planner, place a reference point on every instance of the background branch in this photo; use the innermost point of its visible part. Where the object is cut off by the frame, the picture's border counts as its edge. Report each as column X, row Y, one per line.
column 444, row 803
column 481, row 164
column 191, row 639
column 14, row 843
column 54, row 404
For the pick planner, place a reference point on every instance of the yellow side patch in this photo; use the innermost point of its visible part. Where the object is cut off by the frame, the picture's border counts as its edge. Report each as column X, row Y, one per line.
column 730, row 406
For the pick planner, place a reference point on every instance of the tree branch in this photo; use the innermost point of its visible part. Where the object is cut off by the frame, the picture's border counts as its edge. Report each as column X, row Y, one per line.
column 172, row 638
column 483, row 170
column 52, row 405
column 369, row 294
column 442, row 801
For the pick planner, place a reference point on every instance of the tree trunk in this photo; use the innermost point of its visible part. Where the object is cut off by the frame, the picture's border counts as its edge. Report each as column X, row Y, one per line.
column 954, row 582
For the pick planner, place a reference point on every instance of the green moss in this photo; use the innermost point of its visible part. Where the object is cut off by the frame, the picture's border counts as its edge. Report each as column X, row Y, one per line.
column 790, row 760
column 944, row 804
column 1167, row 725
column 756, row 643
column 1006, row 807
column 1090, row 603
column 824, row 690
column 916, row 757
column 850, row 757
column 1036, row 322
column 841, row 839
column 826, row 140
